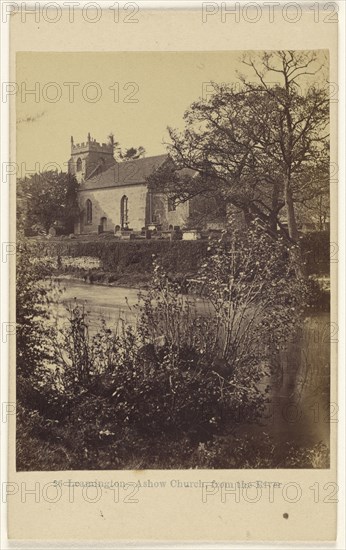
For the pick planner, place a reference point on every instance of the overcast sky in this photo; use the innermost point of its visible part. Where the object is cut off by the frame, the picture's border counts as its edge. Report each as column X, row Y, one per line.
column 164, row 83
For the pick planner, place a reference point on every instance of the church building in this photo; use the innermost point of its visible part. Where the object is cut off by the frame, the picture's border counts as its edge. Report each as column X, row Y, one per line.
column 115, row 196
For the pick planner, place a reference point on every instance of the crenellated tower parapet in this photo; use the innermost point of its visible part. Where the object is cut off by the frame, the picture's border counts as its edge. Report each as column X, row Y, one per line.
column 91, row 157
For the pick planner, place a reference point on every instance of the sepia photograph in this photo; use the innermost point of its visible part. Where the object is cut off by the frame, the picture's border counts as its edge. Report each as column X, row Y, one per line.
column 173, row 260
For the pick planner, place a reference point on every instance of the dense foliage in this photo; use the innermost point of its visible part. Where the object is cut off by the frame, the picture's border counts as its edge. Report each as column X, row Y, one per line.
column 318, row 252
column 31, row 312
column 173, row 390
column 46, row 200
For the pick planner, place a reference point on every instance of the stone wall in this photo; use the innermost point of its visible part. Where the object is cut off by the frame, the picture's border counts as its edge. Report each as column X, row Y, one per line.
column 106, row 204
column 178, row 217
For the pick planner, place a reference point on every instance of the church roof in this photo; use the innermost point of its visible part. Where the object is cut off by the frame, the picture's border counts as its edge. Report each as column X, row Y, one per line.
column 131, row 172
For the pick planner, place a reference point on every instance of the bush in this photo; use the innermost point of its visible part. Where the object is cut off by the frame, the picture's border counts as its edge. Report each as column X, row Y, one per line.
column 318, row 295
column 112, row 384
column 316, row 252
column 34, row 291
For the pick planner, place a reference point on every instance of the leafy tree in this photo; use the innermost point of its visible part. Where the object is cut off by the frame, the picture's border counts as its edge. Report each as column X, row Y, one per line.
column 302, row 126
column 133, row 153
column 263, row 149
column 46, row 199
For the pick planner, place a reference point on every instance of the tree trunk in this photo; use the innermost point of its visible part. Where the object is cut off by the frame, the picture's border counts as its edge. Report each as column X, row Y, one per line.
column 291, row 217
column 293, row 231
column 273, row 215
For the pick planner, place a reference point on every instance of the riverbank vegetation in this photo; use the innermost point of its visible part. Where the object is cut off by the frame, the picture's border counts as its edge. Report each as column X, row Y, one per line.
column 178, row 389
column 129, row 264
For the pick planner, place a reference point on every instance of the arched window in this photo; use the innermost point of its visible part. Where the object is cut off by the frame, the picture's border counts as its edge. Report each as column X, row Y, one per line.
column 79, row 165
column 89, row 211
column 124, row 212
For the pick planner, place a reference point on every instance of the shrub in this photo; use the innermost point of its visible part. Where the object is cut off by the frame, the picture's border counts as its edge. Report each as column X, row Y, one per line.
column 34, row 291
column 316, row 252
column 112, row 383
column 318, row 295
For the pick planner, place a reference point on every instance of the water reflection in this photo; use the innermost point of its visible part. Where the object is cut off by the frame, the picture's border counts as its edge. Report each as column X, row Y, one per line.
column 300, row 396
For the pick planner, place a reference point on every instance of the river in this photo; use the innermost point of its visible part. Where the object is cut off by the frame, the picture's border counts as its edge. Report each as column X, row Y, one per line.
column 299, row 401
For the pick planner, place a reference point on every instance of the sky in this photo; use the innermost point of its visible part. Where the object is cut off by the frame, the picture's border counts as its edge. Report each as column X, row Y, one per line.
column 134, row 95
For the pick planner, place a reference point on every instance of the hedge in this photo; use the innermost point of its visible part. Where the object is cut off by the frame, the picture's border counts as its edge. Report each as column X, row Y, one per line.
column 135, row 256
column 175, row 256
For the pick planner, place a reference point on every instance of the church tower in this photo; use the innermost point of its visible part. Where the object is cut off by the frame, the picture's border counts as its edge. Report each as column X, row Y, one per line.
column 90, row 158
